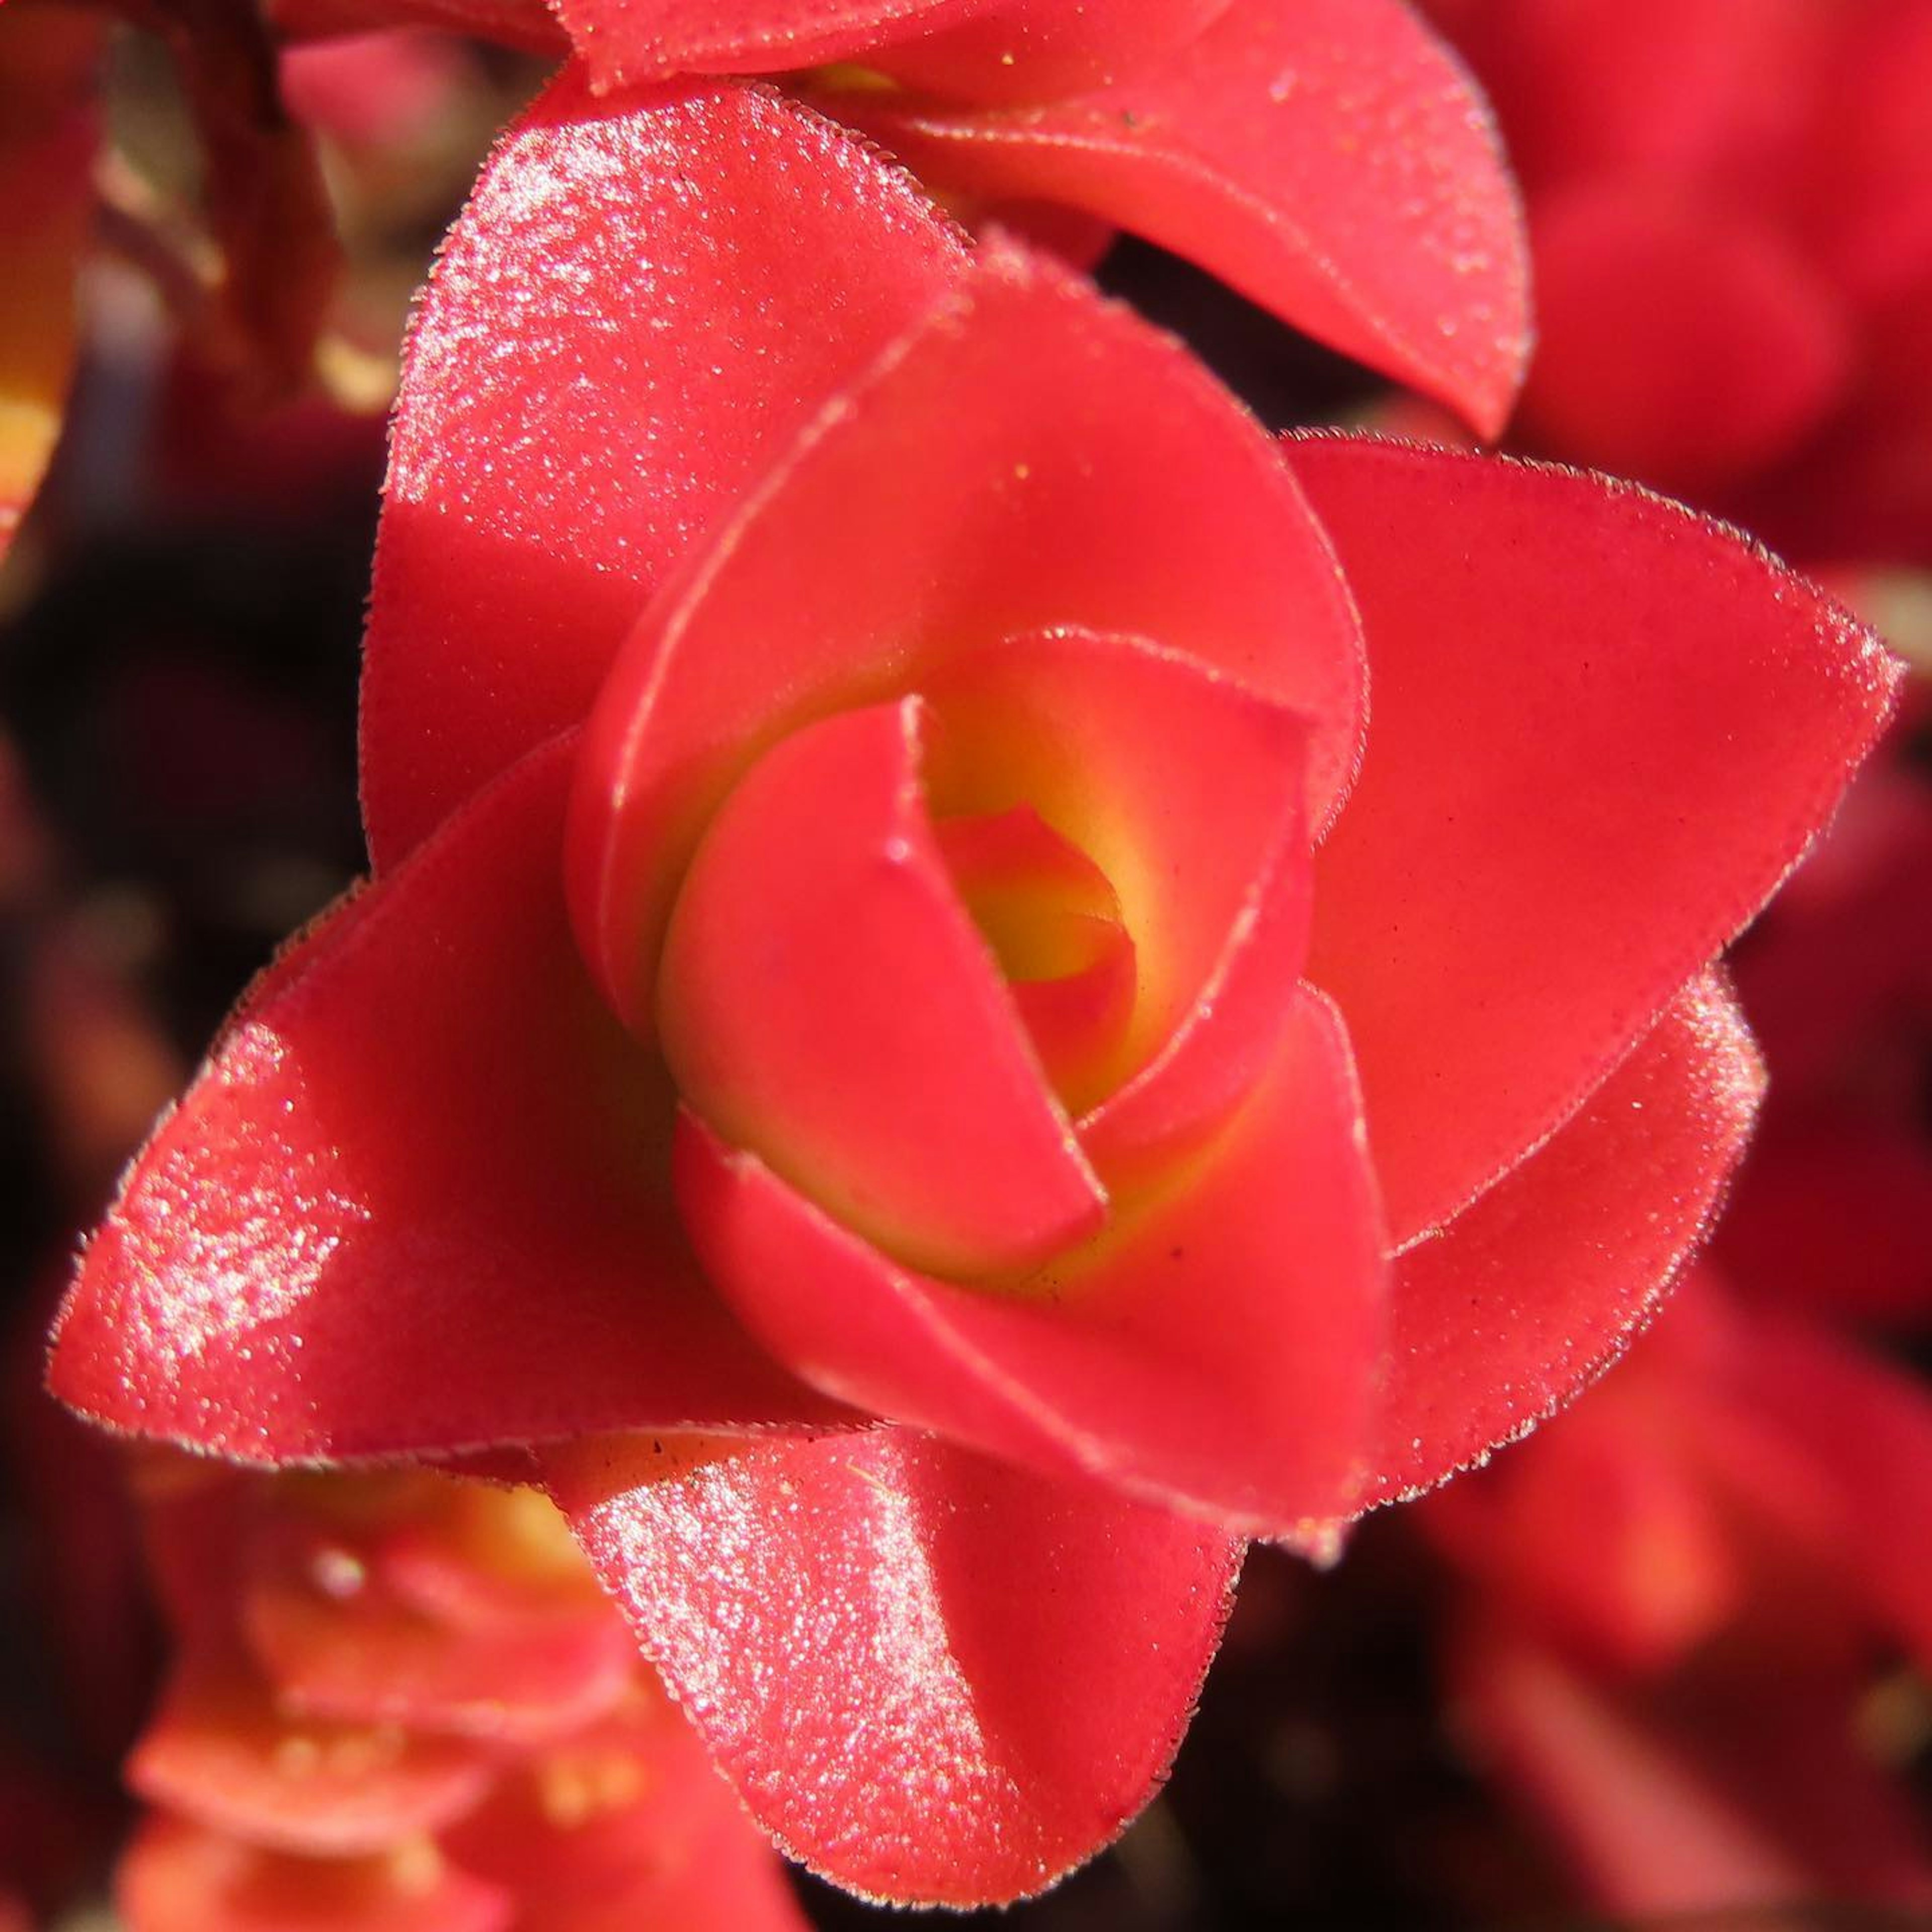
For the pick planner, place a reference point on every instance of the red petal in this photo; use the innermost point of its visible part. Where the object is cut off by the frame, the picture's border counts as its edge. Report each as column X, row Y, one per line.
column 1330, row 159
column 608, row 353
column 904, row 531
column 1603, row 729
column 420, row 1131
column 1499, row 1319
column 623, row 43
column 1021, row 50
column 1186, row 788
column 178, row 1877
column 1215, row 1351
column 825, row 999
column 933, row 1678
column 219, row 1751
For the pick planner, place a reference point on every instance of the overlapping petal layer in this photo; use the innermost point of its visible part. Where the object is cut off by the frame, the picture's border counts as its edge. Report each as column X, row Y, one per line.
column 932, row 1677
column 825, row 999
column 606, row 356
column 1216, row 1349
column 1330, row 159
column 1044, row 505
column 1604, row 729
column 426, row 1129
column 1498, row 1319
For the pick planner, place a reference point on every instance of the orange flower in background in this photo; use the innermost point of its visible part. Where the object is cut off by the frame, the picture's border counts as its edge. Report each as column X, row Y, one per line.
column 401, row 1702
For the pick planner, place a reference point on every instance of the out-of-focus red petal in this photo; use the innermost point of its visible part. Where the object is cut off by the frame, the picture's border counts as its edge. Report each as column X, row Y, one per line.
column 176, row 1876
column 218, row 1750
column 338, row 1644
column 607, row 353
column 1867, row 1427
column 932, row 1678
column 1330, row 159
column 1214, row 1351
column 428, row 1129
column 1604, row 728
column 825, row 999
column 1704, row 1803
column 904, row 531
column 627, row 1826
column 1687, row 345
column 528, row 24
column 1503, row 1316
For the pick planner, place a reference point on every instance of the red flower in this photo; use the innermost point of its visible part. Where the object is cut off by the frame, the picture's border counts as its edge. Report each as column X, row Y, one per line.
column 953, row 828
column 1328, row 158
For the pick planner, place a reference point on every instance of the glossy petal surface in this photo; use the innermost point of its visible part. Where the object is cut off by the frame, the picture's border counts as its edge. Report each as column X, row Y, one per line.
column 931, row 1678
column 1603, row 729
column 825, row 998
column 359, row 1158
column 607, row 354
column 1215, row 1350
column 1044, row 505
column 1330, row 159
column 1502, row 1317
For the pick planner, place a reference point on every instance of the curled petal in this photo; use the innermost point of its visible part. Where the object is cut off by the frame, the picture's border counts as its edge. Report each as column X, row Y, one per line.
column 932, row 1678
column 1215, row 1351
column 426, row 1128
column 825, row 998
column 1604, row 729
column 1044, row 505
column 1331, row 159
column 606, row 355
column 1500, row 1319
